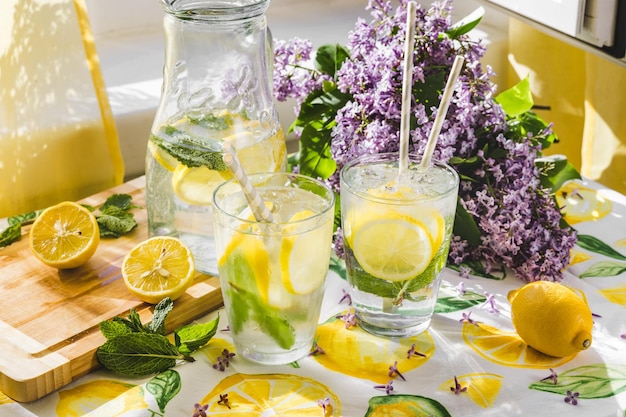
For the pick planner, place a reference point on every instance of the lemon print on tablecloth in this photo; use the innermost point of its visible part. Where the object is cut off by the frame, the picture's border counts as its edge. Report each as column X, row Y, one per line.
column 215, row 347
column 403, row 405
column 482, row 388
column 101, row 398
column 359, row 354
column 582, row 204
column 621, row 243
column 615, row 295
column 577, row 257
column 507, row 348
column 284, row 394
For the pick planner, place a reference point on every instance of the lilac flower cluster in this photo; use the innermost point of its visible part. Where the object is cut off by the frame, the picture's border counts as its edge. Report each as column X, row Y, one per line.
column 518, row 219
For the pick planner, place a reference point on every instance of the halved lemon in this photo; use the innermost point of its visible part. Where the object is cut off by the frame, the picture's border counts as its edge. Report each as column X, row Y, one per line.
column 196, row 185
column 65, row 235
column 278, row 394
column 394, row 248
column 159, row 267
column 301, row 272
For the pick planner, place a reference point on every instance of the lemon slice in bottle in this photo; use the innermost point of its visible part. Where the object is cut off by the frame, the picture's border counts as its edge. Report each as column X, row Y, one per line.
column 158, row 267
column 393, row 248
column 195, row 185
column 64, row 236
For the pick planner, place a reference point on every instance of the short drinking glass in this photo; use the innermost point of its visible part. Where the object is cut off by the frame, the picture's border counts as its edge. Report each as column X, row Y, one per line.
column 273, row 274
column 396, row 232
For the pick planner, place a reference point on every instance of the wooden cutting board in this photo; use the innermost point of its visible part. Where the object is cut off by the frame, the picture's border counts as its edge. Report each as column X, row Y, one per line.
column 49, row 318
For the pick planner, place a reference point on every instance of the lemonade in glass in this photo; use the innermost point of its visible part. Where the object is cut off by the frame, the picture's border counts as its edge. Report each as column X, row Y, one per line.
column 396, row 237
column 184, row 165
column 273, row 274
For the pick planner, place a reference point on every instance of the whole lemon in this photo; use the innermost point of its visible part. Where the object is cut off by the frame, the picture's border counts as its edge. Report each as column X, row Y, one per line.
column 551, row 318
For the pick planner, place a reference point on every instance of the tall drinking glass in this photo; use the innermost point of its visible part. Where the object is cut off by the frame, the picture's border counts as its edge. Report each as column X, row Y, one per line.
column 396, row 237
column 273, row 274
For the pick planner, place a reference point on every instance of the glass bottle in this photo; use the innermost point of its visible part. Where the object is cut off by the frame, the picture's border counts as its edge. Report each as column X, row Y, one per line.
column 217, row 87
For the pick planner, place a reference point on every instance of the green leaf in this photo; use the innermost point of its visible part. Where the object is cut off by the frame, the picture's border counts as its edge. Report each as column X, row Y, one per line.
column 411, row 405
column 116, row 226
column 517, row 99
column 138, row 354
column 604, row 269
column 477, row 268
column 192, row 337
column 590, row 381
column 116, row 202
column 337, row 265
column 111, row 329
column 329, row 58
column 595, row 245
column 11, row 234
column 133, row 321
column 23, row 219
column 187, row 149
column 165, row 386
column 466, row 24
column 161, row 310
column 449, row 301
column 556, row 171
column 465, row 226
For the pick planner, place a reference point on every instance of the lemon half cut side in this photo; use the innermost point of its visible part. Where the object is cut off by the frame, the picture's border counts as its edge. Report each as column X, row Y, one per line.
column 64, row 236
column 159, row 267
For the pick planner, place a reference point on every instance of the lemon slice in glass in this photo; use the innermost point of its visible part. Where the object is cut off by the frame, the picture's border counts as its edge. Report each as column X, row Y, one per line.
column 159, row 267
column 300, row 272
column 394, row 248
column 195, row 185
column 64, row 236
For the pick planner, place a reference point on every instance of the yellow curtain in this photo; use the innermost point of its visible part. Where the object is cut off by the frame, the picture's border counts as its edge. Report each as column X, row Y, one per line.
column 57, row 134
column 584, row 96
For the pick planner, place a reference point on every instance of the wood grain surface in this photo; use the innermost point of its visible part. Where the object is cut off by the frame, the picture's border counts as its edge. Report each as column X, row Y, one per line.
column 49, row 318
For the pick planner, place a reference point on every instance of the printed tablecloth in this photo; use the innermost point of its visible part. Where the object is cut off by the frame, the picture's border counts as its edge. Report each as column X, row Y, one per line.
column 470, row 362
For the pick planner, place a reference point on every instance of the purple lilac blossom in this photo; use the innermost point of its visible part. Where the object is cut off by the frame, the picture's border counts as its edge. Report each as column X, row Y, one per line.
column 517, row 218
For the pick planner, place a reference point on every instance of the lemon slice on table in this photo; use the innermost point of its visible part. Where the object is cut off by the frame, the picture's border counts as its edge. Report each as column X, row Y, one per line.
column 301, row 272
column 195, row 185
column 395, row 248
column 64, row 236
column 159, row 267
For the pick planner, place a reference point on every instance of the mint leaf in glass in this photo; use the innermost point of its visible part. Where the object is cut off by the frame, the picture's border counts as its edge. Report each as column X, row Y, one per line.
column 189, row 150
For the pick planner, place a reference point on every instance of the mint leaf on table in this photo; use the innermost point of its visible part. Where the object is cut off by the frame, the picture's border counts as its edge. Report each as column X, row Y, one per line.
column 138, row 354
column 115, row 218
column 136, row 349
column 111, row 329
column 13, row 233
column 157, row 325
column 192, row 337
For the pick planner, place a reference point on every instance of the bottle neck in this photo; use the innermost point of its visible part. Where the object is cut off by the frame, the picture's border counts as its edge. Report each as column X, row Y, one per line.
column 217, row 60
column 215, row 10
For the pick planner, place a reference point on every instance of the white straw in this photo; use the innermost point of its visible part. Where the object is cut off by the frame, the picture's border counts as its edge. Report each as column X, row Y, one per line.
column 441, row 111
column 407, row 87
column 255, row 201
